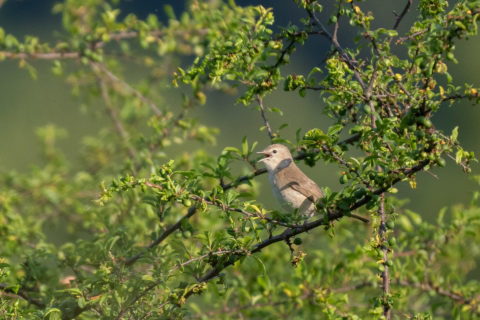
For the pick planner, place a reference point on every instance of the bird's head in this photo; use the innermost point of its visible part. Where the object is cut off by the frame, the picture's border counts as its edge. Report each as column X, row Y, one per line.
column 277, row 156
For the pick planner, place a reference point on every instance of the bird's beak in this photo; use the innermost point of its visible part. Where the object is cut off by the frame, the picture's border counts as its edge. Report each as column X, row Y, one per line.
column 266, row 154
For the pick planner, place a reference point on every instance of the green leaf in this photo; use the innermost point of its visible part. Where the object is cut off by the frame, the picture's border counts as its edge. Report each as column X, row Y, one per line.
column 244, row 146
column 459, row 156
column 232, row 149
column 169, row 11
column 53, row 314
column 334, row 129
column 148, row 277
column 277, row 110
column 454, row 134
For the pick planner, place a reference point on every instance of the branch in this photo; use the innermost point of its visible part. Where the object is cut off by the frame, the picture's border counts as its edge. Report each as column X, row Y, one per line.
column 177, row 225
column 410, row 37
column 236, row 309
column 244, row 178
column 457, row 97
column 112, row 112
column 332, row 216
column 402, row 15
column 341, row 161
column 287, row 234
column 308, row 294
column 382, row 233
column 284, row 236
column 338, row 47
column 244, row 212
column 428, row 287
column 215, row 253
column 122, row 35
column 125, row 85
column 265, row 120
column 7, row 289
column 353, row 287
column 40, row 55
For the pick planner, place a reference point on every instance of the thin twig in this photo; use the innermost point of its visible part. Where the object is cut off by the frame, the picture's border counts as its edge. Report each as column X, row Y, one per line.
column 206, row 255
column 40, row 55
column 338, row 47
column 402, row 15
column 125, row 85
column 235, row 310
column 382, row 233
column 348, row 288
column 344, row 163
column 244, row 212
column 427, row 287
column 21, row 293
column 117, row 36
column 411, row 36
column 112, row 112
column 264, row 117
column 191, row 211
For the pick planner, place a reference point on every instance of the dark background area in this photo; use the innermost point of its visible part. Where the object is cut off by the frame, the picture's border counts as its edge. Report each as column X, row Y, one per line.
column 27, row 104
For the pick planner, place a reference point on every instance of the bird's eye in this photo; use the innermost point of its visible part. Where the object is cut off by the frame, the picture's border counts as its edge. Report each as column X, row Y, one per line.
column 275, row 151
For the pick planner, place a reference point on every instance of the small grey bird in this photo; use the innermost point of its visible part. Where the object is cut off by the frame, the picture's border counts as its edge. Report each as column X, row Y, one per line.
column 291, row 187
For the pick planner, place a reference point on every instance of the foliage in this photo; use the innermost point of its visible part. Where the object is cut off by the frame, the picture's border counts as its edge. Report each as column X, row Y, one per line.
column 184, row 235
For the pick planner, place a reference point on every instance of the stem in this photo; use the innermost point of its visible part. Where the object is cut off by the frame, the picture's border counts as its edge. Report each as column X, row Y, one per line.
column 402, row 15
column 112, row 112
column 191, row 211
column 265, row 120
column 382, row 232
column 101, row 67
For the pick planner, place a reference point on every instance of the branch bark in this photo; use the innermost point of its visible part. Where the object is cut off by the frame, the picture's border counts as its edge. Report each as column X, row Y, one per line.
column 264, row 117
column 382, row 232
column 191, row 211
column 21, row 293
column 402, row 15
column 101, row 67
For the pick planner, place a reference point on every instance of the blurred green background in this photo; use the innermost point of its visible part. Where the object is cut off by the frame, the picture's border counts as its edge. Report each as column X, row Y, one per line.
column 27, row 104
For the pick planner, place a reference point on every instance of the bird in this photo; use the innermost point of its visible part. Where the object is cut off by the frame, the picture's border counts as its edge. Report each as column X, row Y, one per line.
column 290, row 186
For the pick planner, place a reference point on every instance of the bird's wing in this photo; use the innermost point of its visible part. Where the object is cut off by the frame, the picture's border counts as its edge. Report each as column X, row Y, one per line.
column 305, row 185
column 309, row 189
